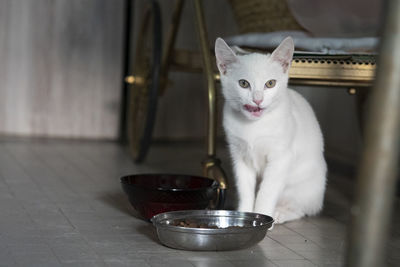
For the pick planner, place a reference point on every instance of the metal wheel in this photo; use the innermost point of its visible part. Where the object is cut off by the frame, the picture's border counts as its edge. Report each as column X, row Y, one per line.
column 144, row 83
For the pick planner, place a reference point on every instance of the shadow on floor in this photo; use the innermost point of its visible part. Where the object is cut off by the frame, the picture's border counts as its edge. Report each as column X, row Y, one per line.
column 120, row 202
column 149, row 231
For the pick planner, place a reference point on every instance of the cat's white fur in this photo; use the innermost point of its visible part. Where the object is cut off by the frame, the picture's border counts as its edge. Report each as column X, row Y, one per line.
column 277, row 153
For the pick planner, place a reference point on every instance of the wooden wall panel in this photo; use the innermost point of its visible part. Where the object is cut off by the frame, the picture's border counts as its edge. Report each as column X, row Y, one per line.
column 60, row 67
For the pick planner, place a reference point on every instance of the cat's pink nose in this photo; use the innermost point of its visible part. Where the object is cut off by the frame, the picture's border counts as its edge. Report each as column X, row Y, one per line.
column 258, row 102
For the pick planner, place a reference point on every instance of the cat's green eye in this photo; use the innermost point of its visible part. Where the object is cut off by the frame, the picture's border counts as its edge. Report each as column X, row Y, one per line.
column 270, row 83
column 244, row 83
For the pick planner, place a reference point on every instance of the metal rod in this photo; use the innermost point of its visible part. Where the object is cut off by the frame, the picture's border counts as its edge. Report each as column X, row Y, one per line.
column 377, row 174
column 208, row 70
column 170, row 42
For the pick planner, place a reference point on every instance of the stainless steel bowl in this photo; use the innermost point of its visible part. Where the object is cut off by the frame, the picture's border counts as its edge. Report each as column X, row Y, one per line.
column 236, row 230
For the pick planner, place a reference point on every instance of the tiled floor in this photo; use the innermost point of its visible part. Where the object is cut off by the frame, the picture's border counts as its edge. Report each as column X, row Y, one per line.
column 61, row 205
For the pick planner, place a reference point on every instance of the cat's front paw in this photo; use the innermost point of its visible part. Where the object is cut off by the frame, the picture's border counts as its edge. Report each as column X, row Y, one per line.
column 279, row 217
column 283, row 214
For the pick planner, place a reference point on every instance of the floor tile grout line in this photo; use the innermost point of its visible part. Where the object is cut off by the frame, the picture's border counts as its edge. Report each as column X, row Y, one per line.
column 79, row 168
column 59, row 174
column 74, row 164
column 50, row 247
column 287, row 247
column 98, row 164
column 5, row 182
column 60, row 209
column 316, row 243
column 267, row 260
column 43, row 162
column 53, row 174
column 29, row 176
column 23, row 167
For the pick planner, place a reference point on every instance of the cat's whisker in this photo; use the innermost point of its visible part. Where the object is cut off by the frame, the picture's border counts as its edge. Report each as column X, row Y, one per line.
column 233, row 100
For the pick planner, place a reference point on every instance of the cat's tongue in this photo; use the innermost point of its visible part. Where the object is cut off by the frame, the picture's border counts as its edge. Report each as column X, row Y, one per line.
column 255, row 111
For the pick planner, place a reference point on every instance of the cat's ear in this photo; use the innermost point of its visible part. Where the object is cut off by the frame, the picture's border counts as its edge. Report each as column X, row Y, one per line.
column 224, row 54
column 284, row 53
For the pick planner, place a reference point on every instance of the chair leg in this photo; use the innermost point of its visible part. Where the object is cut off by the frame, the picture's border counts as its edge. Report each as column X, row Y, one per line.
column 361, row 98
column 211, row 165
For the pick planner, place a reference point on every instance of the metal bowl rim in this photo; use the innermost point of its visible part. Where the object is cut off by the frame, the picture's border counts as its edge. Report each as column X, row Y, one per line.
column 159, row 218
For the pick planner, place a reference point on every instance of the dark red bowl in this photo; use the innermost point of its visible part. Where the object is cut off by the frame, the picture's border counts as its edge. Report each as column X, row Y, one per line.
column 151, row 194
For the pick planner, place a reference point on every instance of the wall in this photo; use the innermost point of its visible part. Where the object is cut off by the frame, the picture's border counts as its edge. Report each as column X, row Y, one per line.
column 60, row 67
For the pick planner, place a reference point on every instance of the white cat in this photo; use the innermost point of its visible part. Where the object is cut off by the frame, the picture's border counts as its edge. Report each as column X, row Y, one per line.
column 274, row 138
